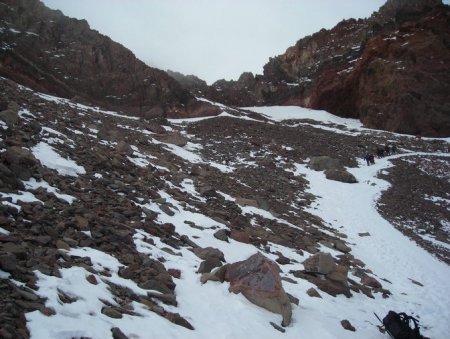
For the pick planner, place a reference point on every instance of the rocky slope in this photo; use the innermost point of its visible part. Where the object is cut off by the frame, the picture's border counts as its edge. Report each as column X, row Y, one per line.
column 110, row 220
column 390, row 70
column 49, row 52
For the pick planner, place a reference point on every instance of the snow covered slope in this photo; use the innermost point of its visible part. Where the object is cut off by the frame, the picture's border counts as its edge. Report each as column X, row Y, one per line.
column 98, row 231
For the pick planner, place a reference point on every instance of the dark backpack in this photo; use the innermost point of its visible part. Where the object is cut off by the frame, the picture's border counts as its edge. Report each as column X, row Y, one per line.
column 398, row 326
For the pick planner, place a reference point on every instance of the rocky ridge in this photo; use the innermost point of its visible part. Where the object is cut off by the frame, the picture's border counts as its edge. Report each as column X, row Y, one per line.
column 235, row 170
column 390, row 70
column 51, row 53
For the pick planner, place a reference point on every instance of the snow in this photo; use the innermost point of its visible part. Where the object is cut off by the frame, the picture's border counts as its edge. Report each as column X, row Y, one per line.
column 181, row 121
column 218, row 104
column 351, row 209
column 211, row 308
column 23, row 196
column 59, row 139
column 81, row 107
column 3, row 231
column 51, row 159
column 33, row 184
column 183, row 153
column 280, row 113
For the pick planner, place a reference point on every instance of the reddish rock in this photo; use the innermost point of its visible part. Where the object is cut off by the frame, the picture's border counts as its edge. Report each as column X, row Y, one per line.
column 312, row 292
column 92, row 279
column 282, row 260
column 258, row 279
column 240, row 236
column 174, row 273
column 370, row 281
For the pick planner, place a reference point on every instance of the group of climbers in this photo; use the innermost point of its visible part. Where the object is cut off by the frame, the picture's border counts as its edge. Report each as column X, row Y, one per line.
column 380, row 151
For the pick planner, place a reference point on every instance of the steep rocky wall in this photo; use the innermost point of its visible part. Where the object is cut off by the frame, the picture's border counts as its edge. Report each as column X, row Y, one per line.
column 390, row 70
column 50, row 52
column 401, row 82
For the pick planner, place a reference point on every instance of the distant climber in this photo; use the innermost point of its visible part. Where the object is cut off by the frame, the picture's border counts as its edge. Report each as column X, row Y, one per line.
column 369, row 158
column 380, row 152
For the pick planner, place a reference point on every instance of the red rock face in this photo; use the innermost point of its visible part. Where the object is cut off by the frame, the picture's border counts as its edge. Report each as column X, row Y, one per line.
column 49, row 52
column 399, row 84
column 390, row 70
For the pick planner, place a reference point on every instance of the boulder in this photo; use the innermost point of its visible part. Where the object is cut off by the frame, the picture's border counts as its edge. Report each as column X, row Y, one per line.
column 209, row 252
column 221, row 234
column 240, row 236
column 322, row 263
column 111, row 312
column 10, row 115
column 339, row 174
column 172, row 138
column 341, row 246
column 312, row 292
column 324, row 163
column 367, row 280
column 258, row 279
column 20, row 161
column 124, row 148
column 209, row 264
column 117, row 333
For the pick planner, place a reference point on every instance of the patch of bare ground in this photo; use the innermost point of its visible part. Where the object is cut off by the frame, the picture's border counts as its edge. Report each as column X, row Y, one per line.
column 418, row 201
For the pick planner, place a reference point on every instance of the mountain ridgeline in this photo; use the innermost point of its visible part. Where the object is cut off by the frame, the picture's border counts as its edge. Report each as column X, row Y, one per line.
column 391, row 70
column 52, row 53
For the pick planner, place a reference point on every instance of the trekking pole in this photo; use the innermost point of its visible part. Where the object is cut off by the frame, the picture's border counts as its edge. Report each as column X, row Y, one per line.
column 383, row 325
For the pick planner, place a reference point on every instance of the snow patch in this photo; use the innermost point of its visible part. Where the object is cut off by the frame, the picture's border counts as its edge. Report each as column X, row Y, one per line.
column 51, row 159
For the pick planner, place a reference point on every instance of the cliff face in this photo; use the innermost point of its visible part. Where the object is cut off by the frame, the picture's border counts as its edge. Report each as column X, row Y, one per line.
column 401, row 82
column 391, row 70
column 49, row 52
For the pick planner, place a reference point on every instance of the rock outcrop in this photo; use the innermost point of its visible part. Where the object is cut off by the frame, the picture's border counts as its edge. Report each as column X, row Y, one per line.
column 51, row 53
column 390, row 70
column 258, row 279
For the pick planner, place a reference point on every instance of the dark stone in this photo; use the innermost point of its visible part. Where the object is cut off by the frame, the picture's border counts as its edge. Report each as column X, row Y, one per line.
column 312, row 292
column 179, row 320
column 111, row 312
column 168, row 299
column 346, row 324
column 370, row 281
column 322, row 263
column 156, row 286
column 117, row 333
column 221, row 234
column 208, row 265
column 8, row 262
column 209, row 252
column 340, row 175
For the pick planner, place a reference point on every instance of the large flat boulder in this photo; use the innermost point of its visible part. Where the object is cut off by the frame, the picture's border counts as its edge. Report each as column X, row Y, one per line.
column 258, row 279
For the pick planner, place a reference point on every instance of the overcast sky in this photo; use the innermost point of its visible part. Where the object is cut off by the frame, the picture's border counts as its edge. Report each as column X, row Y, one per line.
column 213, row 39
